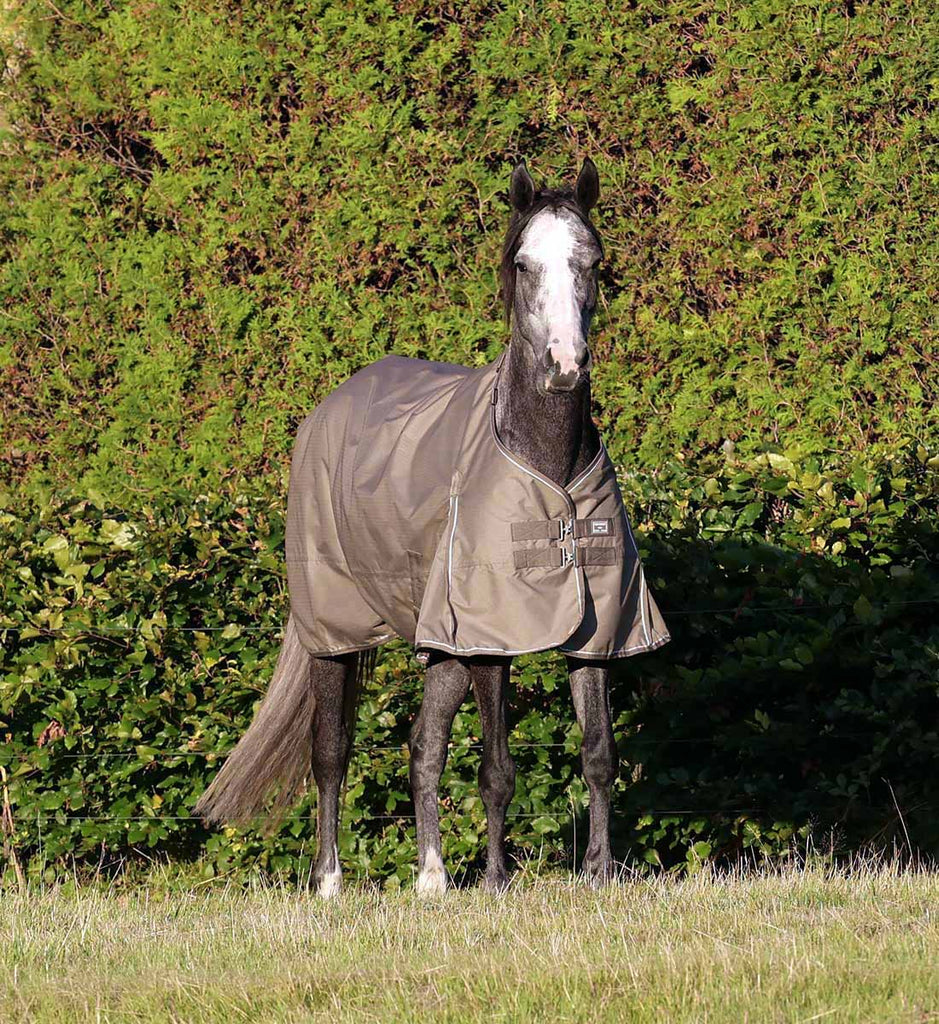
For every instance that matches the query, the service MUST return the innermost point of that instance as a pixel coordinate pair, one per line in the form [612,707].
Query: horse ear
[522,188]
[587,189]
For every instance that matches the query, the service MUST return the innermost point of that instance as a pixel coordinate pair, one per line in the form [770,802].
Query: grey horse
[474,512]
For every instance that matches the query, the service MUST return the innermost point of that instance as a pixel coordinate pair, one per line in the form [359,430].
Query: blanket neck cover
[407,517]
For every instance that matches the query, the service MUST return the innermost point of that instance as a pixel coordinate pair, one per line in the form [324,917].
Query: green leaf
[120,535]
[863,609]
[750,513]
[781,463]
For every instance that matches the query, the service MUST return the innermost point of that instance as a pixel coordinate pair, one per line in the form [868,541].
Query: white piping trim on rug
[643,587]
[593,463]
[536,476]
[455,512]
[642,603]
[651,645]
[531,471]
[629,529]
[621,650]
[479,650]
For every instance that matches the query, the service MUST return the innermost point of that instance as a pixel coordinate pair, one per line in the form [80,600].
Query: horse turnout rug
[408,517]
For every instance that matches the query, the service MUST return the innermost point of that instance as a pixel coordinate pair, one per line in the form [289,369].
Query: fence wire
[704,812]
[163,755]
[738,609]
[152,756]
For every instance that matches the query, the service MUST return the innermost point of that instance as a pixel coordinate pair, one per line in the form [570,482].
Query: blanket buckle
[568,553]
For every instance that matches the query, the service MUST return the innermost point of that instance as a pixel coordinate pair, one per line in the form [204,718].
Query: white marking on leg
[331,882]
[432,881]
[330,885]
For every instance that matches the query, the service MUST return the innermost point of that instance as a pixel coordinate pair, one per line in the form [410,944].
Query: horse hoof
[599,874]
[496,883]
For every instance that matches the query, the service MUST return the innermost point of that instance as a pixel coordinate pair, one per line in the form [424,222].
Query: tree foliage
[213,214]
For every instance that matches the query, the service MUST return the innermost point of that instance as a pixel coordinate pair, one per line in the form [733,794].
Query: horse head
[549,271]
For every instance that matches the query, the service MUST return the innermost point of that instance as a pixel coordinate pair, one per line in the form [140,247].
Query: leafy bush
[213,214]
[799,692]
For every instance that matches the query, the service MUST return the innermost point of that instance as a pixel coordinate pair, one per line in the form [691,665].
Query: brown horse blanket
[408,517]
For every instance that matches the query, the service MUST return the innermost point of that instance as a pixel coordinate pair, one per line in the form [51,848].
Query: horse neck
[554,434]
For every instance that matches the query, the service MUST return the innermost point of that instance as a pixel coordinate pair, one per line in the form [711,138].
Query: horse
[475,513]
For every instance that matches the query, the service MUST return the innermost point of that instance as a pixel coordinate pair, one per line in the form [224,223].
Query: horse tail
[270,765]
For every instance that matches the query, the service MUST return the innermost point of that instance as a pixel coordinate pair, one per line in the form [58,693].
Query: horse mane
[553,198]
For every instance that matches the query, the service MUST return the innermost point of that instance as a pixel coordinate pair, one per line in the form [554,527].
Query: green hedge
[213,213]
[798,695]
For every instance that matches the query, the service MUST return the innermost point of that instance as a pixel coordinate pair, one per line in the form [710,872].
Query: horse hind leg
[446,684]
[496,767]
[336,683]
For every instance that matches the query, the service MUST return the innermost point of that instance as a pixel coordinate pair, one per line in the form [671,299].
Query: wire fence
[742,607]
[151,757]
[678,812]
[156,756]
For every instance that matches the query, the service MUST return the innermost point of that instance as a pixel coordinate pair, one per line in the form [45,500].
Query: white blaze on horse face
[548,243]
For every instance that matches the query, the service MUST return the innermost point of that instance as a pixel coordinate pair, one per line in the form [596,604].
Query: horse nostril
[581,357]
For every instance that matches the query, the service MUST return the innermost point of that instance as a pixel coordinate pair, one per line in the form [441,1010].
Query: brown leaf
[52,732]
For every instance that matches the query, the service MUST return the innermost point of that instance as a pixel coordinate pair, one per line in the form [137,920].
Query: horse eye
[519,266]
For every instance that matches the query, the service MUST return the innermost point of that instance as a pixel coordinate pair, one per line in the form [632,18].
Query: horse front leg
[590,690]
[446,684]
[496,769]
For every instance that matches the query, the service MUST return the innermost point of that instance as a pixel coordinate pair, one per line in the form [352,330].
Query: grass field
[794,944]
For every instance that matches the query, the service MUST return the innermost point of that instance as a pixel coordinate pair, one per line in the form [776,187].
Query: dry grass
[795,944]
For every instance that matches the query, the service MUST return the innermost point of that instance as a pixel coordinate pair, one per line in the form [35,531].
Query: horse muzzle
[564,373]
